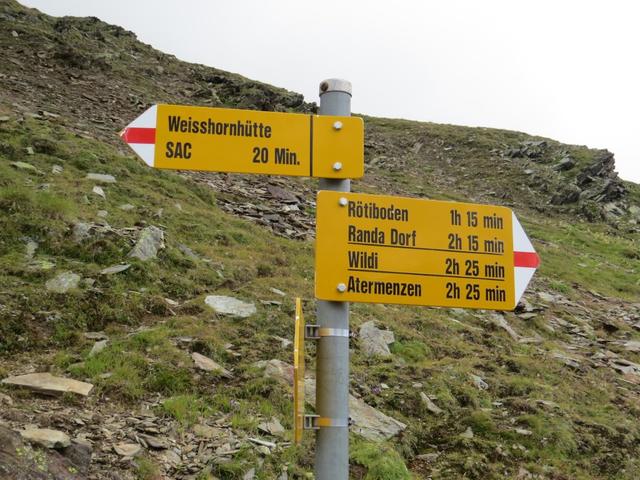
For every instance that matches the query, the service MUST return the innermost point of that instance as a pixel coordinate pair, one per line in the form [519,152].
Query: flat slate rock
[46,438]
[24,166]
[230,306]
[115,269]
[96,335]
[127,449]
[429,405]
[281,194]
[63,282]
[47,383]
[206,431]
[208,365]
[272,427]
[631,346]
[101,177]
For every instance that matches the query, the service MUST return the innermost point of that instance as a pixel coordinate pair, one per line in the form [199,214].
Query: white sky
[565,69]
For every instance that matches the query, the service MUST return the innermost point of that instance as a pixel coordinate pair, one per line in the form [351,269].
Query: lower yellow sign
[298,375]
[383,249]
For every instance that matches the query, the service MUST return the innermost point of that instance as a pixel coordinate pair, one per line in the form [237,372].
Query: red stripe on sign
[526,259]
[139,135]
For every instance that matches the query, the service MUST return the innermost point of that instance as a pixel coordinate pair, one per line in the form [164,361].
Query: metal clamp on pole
[333,332]
[316,422]
[311,332]
[315,332]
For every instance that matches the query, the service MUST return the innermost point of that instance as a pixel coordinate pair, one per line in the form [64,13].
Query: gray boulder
[567,163]
[46,438]
[374,341]
[151,240]
[18,460]
[81,231]
[63,282]
[230,306]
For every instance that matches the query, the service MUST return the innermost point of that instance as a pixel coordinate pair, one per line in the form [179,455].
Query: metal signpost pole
[332,369]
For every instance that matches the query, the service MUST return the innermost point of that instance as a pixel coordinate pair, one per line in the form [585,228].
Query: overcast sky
[567,69]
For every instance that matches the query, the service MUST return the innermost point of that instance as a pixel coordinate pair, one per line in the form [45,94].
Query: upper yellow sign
[246,141]
[383,249]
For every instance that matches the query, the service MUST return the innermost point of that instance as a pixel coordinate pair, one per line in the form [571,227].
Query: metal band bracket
[314,332]
[315,422]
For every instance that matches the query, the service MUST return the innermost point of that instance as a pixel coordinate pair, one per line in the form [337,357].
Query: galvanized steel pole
[332,367]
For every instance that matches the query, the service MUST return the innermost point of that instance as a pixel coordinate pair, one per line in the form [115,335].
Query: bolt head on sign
[246,141]
[383,249]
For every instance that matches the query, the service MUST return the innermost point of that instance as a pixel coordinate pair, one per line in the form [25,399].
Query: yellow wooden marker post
[298,374]
[383,249]
[181,137]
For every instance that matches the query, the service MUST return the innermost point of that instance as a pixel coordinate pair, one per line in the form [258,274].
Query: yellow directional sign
[245,141]
[298,374]
[383,249]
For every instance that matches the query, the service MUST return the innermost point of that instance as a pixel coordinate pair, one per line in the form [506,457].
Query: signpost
[183,137]
[332,357]
[382,249]
[369,248]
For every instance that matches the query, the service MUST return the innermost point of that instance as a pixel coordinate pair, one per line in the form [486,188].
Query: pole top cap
[335,85]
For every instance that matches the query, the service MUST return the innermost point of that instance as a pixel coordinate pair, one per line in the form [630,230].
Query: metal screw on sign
[337,166]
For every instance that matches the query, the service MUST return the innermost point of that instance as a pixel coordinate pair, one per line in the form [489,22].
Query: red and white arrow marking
[525,259]
[141,135]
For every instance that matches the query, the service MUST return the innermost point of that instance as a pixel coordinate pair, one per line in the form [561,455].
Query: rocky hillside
[146,316]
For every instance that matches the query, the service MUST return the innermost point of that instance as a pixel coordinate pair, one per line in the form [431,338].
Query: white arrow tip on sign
[147,119]
[145,152]
[141,135]
[526,259]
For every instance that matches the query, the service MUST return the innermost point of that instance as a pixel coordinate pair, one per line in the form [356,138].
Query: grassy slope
[589,431]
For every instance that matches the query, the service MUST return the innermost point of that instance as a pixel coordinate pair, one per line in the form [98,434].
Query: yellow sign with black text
[182,137]
[383,249]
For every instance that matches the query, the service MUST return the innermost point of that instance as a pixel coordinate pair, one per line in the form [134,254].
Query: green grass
[381,462]
[186,409]
[144,362]
[592,432]
[587,255]
[147,469]
[411,350]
